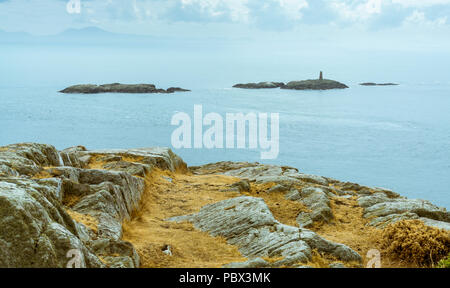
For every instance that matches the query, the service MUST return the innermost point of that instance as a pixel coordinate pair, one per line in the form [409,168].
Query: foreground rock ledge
[54,202]
[119,88]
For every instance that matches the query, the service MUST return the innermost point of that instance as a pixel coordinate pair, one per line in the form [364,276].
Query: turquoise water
[393,137]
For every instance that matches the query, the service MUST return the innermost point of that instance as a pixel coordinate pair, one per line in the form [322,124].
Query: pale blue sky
[209,17]
[349,26]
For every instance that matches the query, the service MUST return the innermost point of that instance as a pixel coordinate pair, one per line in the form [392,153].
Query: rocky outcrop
[378,84]
[54,209]
[248,223]
[384,209]
[66,208]
[260,85]
[119,88]
[318,84]
[381,206]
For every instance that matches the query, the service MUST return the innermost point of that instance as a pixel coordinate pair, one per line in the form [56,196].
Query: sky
[209,17]
[410,37]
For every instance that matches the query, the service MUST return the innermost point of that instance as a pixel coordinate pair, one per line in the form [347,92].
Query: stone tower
[321,75]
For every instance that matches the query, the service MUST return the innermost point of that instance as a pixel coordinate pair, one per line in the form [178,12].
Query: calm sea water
[393,137]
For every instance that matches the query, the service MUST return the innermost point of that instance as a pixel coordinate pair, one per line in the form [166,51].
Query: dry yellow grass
[88,220]
[96,163]
[43,174]
[70,200]
[150,233]
[349,228]
[283,210]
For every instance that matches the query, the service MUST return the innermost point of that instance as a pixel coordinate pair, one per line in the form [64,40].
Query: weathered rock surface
[118,88]
[248,223]
[382,205]
[252,263]
[385,207]
[35,214]
[318,84]
[317,200]
[27,159]
[139,161]
[260,85]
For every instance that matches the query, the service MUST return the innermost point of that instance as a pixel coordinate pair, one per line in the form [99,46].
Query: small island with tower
[315,84]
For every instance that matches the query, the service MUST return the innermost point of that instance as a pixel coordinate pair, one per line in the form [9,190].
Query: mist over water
[393,137]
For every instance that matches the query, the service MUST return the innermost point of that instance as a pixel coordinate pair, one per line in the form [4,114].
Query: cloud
[357,11]
[293,8]
[418,17]
[421,3]
[143,16]
[235,10]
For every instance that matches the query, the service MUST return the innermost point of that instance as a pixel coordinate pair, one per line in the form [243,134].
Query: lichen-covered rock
[27,158]
[117,254]
[316,199]
[248,223]
[36,231]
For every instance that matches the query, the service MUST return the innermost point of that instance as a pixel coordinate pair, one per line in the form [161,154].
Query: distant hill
[93,36]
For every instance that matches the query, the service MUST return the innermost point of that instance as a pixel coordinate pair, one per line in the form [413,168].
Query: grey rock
[36,230]
[220,167]
[241,186]
[287,176]
[121,262]
[304,220]
[435,223]
[309,178]
[293,195]
[398,206]
[316,199]
[367,201]
[27,158]
[136,169]
[112,249]
[278,188]
[382,222]
[248,223]
[162,158]
[252,263]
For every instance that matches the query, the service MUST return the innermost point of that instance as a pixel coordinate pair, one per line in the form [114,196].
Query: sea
[395,137]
